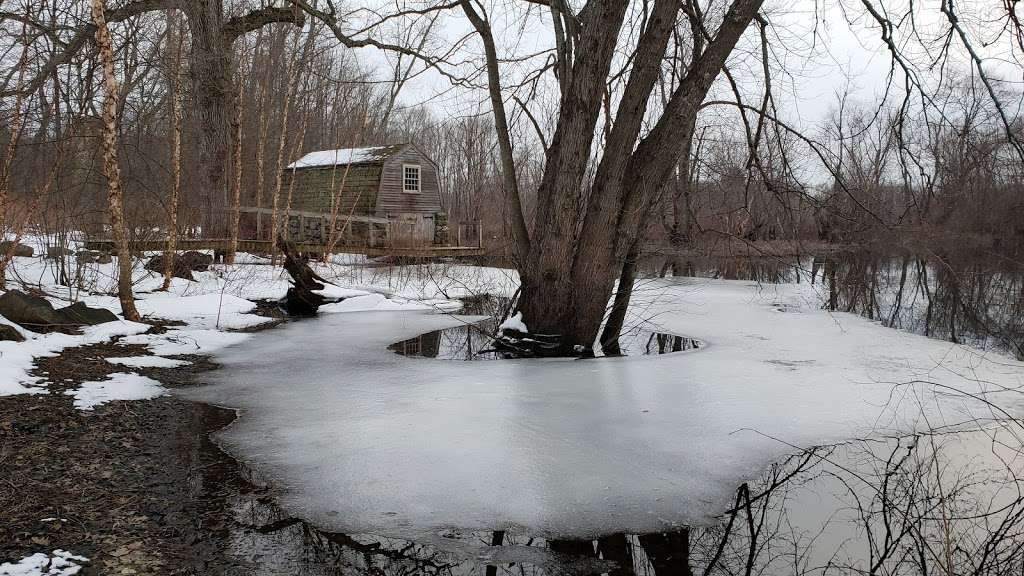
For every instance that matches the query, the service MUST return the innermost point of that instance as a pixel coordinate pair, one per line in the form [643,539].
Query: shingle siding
[391,199]
[312,188]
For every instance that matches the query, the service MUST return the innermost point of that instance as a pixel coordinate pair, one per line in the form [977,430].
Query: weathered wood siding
[311,188]
[392,200]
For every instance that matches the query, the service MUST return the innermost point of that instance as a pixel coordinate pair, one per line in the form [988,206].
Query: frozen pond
[363,440]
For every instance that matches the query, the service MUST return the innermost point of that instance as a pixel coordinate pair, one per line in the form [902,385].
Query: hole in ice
[472,341]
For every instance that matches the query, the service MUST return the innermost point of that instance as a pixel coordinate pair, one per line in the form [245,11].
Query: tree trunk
[174,39]
[236,184]
[617,316]
[569,279]
[5,171]
[211,72]
[275,215]
[111,170]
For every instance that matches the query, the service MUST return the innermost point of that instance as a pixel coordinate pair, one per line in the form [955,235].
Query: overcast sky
[820,50]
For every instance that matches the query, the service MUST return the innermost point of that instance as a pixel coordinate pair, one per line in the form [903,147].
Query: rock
[19,249]
[184,264]
[87,256]
[37,313]
[29,311]
[197,261]
[93,257]
[10,334]
[79,314]
[57,251]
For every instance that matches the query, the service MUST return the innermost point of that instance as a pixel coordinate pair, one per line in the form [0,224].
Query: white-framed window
[411,178]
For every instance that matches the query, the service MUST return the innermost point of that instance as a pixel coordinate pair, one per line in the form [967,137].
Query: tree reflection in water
[946,502]
[938,503]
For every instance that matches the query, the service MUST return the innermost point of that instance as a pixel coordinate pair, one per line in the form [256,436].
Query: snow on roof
[344,156]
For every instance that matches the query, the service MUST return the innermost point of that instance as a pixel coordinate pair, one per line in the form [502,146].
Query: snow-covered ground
[220,300]
[368,441]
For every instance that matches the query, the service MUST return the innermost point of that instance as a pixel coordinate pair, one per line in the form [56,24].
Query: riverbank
[135,487]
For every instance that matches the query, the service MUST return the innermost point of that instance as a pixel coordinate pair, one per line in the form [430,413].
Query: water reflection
[927,504]
[473,342]
[974,298]
[946,502]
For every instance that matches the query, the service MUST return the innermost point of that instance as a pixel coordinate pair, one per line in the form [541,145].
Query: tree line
[634,132]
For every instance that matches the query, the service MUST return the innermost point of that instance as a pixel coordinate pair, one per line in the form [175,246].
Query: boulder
[19,249]
[87,256]
[29,311]
[93,257]
[57,252]
[10,333]
[184,264]
[79,314]
[38,314]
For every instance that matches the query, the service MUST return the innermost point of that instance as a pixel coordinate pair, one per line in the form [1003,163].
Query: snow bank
[148,362]
[117,386]
[368,441]
[57,563]
[215,310]
[186,341]
[381,302]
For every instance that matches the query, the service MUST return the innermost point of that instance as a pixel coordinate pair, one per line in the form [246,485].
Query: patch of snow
[341,156]
[117,386]
[57,563]
[369,441]
[380,302]
[514,322]
[18,358]
[148,362]
[187,341]
[338,292]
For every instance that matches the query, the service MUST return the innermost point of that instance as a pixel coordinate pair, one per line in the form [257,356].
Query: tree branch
[83,35]
[240,25]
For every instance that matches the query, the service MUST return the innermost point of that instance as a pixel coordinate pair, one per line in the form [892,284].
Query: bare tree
[174,40]
[111,170]
[236,183]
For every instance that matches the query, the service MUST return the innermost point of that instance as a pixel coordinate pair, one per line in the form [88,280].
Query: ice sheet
[364,440]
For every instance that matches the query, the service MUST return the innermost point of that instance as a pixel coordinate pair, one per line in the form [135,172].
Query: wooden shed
[381,195]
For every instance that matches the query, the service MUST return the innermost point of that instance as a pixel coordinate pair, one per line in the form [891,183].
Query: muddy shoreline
[137,487]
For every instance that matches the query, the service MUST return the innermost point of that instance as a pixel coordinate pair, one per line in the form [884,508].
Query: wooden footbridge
[264,247]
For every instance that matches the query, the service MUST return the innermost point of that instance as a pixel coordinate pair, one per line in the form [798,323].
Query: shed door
[412,229]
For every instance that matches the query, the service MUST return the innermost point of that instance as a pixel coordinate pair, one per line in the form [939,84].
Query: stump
[301,300]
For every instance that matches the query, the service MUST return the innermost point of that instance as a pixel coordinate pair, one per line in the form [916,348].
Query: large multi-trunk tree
[584,229]
[212,32]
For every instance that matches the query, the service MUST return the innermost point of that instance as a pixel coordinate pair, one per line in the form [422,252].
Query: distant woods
[290,88]
[872,170]
[653,131]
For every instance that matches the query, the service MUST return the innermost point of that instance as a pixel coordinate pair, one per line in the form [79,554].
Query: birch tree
[111,170]
[174,42]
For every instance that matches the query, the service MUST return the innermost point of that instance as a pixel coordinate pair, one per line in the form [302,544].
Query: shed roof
[342,156]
